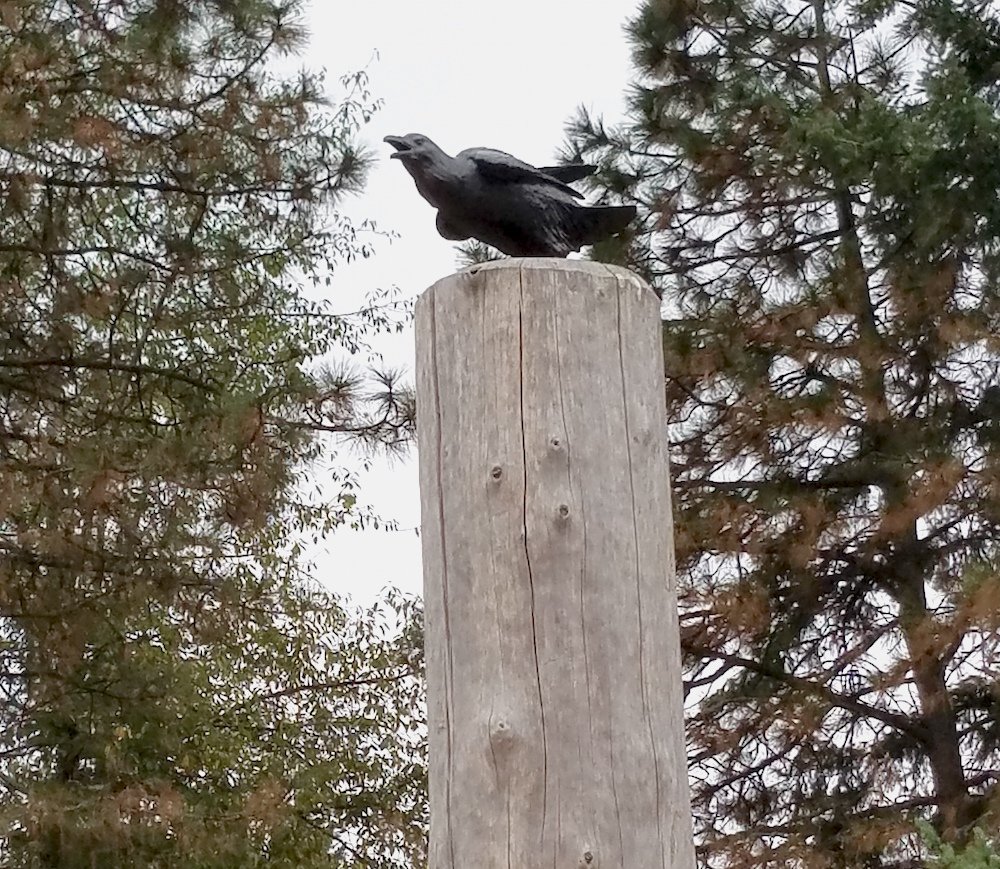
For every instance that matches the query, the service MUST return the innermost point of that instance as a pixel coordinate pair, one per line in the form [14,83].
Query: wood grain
[554,690]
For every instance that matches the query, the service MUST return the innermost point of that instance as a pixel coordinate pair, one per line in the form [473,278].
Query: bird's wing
[568,173]
[500,166]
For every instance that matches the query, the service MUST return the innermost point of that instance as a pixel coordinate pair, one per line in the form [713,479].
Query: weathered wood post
[553,674]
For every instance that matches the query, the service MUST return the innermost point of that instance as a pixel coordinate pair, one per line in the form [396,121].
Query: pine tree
[173,691]
[978,853]
[818,185]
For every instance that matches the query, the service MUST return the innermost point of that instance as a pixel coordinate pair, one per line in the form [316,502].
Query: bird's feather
[568,173]
[600,221]
[501,166]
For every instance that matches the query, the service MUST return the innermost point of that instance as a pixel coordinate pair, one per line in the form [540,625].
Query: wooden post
[553,673]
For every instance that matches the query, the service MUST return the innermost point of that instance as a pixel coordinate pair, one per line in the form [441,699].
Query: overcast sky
[504,75]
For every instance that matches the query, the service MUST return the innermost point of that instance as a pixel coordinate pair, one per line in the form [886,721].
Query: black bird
[512,206]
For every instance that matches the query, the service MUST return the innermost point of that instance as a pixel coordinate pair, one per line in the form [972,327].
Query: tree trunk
[553,664]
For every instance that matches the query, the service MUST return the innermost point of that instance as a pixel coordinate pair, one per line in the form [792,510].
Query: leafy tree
[173,692]
[818,186]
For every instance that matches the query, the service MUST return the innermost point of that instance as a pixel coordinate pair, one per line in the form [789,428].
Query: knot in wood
[563,511]
[556,443]
[501,733]
[496,472]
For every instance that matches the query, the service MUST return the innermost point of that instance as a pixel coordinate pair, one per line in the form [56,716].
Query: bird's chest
[434,190]
[468,199]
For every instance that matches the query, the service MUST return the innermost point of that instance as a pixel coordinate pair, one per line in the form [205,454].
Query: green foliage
[174,692]
[977,854]
[269,730]
[472,253]
[817,185]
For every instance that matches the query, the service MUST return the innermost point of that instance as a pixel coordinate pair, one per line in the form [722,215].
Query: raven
[512,206]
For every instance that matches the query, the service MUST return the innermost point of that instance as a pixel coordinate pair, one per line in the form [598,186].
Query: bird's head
[412,149]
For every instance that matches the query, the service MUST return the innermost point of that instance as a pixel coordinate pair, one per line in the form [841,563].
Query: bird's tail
[596,222]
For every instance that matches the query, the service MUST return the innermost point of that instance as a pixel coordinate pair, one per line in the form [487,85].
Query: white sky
[505,75]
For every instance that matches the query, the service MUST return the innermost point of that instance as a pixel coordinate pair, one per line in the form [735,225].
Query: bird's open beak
[399,143]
